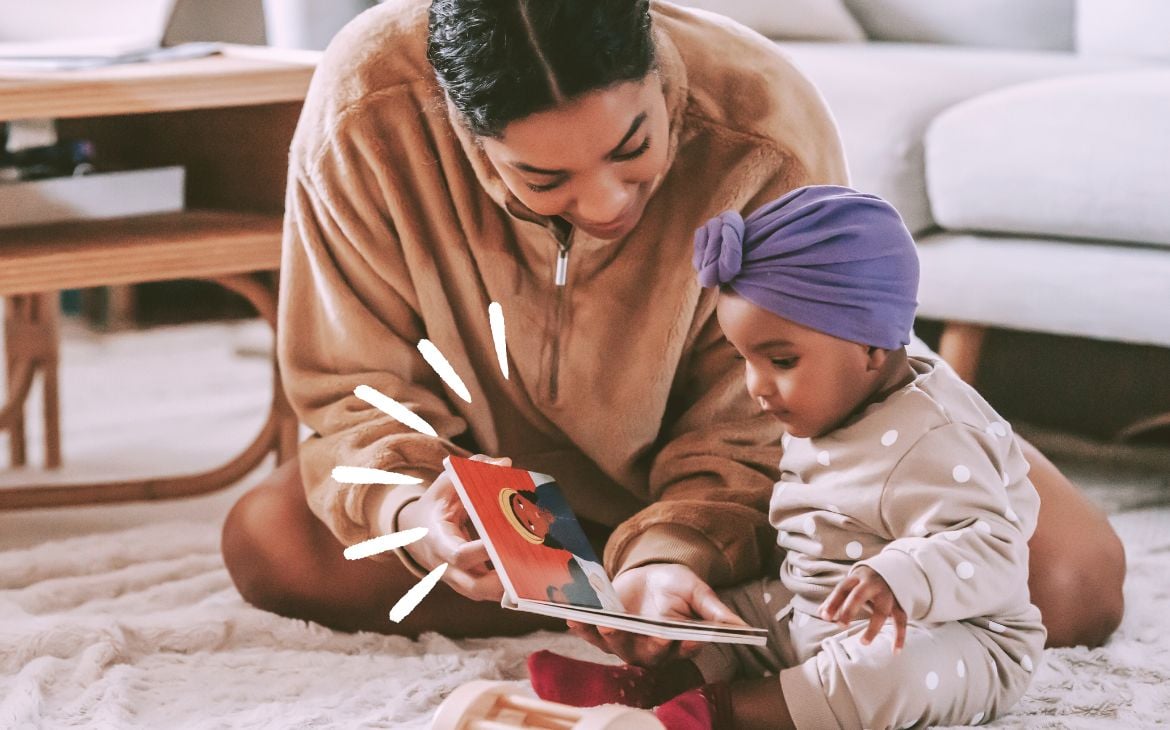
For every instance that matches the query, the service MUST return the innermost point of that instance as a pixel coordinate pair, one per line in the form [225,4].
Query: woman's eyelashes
[622,157]
[638,152]
[544,188]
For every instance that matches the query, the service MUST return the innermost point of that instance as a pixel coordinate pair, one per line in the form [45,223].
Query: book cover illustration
[536,543]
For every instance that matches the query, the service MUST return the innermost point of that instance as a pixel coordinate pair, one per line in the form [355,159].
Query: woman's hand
[658,590]
[864,586]
[451,539]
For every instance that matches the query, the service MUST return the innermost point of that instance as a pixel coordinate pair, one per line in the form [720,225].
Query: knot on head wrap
[719,249]
[826,257]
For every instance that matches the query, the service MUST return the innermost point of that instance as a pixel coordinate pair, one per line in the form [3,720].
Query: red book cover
[535,541]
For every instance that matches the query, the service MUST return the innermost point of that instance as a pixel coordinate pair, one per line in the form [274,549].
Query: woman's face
[593,161]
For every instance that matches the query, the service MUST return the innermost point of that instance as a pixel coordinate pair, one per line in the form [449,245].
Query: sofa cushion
[1083,157]
[1020,24]
[884,95]
[1124,28]
[1103,291]
[824,20]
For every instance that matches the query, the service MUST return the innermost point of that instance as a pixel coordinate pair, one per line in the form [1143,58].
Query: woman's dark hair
[502,60]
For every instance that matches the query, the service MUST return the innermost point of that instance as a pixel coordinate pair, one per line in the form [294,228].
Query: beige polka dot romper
[930,489]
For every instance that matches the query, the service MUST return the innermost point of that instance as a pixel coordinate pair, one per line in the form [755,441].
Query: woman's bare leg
[283,559]
[758,704]
[1077,562]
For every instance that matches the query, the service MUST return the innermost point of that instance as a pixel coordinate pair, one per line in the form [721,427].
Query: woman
[554,156]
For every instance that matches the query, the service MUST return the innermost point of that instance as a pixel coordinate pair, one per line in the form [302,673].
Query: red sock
[703,708]
[585,684]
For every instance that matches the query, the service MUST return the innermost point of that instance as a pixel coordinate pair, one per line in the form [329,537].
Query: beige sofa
[1026,143]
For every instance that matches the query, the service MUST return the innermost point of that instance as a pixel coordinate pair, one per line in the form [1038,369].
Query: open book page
[544,559]
[674,630]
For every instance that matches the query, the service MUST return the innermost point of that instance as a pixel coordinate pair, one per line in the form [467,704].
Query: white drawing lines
[365,475]
[407,417]
[414,596]
[385,543]
[393,541]
[394,409]
[496,319]
[440,365]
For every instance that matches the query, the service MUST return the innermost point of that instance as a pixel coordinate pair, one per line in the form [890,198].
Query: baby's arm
[961,536]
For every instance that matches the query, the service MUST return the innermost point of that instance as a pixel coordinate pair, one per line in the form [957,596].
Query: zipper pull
[562,266]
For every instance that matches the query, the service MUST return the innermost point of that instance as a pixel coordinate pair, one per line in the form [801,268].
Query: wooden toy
[486,705]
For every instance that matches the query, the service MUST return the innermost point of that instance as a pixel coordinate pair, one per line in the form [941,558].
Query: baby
[903,507]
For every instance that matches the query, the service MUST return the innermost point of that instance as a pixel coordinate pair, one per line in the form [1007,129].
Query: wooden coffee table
[228,119]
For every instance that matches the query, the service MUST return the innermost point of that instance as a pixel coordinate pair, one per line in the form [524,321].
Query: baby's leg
[762,603]
[947,674]
[585,684]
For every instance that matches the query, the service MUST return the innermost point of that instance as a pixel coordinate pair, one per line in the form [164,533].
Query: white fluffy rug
[124,617]
[142,628]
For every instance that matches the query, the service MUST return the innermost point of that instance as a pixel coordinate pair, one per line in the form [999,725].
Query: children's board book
[545,561]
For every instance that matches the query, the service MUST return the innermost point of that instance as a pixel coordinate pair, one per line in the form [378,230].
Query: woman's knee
[1080,595]
[261,549]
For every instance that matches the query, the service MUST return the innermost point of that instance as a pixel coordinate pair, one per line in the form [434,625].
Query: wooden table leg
[278,434]
[31,344]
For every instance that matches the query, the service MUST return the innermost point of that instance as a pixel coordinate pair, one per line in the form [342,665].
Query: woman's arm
[343,323]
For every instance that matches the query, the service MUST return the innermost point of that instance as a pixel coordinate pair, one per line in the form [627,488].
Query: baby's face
[808,380]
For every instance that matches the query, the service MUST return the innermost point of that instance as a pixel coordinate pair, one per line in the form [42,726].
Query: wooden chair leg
[961,345]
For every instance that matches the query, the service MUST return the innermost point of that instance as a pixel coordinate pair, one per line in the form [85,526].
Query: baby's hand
[864,586]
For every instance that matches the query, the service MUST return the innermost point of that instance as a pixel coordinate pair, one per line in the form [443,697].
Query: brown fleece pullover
[621,384]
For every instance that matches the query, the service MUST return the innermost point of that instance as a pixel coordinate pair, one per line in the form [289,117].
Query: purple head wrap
[826,257]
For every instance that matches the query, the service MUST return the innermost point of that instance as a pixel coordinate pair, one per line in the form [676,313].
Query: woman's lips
[610,230]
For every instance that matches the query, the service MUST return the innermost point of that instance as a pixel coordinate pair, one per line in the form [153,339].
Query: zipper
[560,281]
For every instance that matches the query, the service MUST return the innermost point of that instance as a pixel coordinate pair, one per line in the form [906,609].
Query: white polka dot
[853,550]
[810,525]
[961,474]
[1011,514]
[961,669]
[832,508]
[919,527]
[932,680]
[952,535]
[767,674]
[889,437]
[823,458]
[996,627]
[999,428]
[983,527]
[767,598]
[1026,663]
[977,719]
[964,570]
[803,620]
